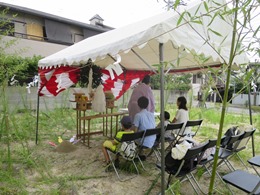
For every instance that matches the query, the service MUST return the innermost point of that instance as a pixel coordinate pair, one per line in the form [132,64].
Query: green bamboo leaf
[176,4]
[178,62]
[196,21]
[222,17]
[213,18]
[156,65]
[180,18]
[206,6]
[223,40]
[215,32]
[197,10]
[249,75]
[256,31]
[218,4]
[206,59]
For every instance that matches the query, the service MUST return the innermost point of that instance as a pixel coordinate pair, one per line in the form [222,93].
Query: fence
[19,98]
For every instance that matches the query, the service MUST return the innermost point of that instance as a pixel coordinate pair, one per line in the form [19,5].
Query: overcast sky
[116,13]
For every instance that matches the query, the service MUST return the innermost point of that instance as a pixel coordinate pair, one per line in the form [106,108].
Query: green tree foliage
[180,82]
[11,64]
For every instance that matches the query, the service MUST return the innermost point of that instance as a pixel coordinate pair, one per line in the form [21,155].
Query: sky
[116,13]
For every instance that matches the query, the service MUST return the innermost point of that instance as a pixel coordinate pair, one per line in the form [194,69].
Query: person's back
[182,114]
[145,120]
[143,89]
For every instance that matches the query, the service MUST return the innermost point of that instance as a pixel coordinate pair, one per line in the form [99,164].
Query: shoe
[116,163]
[142,157]
[109,168]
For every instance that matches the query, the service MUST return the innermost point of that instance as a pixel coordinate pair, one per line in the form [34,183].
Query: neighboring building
[43,34]
[199,80]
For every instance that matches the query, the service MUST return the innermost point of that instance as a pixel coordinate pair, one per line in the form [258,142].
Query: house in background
[43,34]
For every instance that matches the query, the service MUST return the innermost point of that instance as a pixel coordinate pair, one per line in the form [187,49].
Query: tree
[241,15]
[10,65]
[180,82]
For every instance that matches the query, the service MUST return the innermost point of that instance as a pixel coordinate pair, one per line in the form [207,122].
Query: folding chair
[227,152]
[206,160]
[255,162]
[156,148]
[149,132]
[183,168]
[192,124]
[207,156]
[173,127]
[242,145]
[189,124]
[154,131]
[128,138]
[243,180]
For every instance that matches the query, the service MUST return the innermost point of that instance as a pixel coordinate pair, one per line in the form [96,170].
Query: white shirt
[182,116]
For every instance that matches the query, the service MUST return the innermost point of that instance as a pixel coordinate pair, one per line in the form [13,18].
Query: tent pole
[37,118]
[250,115]
[162,119]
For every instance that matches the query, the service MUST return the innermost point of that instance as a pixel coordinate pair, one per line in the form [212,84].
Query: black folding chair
[149,132]
[128,138]
[227,151]
[192,124]
[154,131]
[207,156]
[242,144]
[156,147]
[255,162]
[243,180]
[175,128]
[205,161]
[182,169]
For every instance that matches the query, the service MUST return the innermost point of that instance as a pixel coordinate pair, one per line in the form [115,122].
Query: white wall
[29,48]
[242,99]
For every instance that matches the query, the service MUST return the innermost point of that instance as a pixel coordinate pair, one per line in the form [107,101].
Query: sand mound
[65,147]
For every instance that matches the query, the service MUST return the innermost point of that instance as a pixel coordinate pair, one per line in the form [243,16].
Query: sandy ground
[86,166]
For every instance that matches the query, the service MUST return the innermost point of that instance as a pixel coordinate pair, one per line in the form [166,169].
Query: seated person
[168,134]
[144,120]
[113,144]
[182,114]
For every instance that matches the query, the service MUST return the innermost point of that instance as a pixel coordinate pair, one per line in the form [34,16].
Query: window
[34,31]
[194,78]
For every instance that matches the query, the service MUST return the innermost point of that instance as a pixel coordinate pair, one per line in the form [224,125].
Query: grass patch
[23,157]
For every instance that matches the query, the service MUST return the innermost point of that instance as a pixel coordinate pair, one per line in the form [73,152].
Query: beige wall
[19,98]
[28,48]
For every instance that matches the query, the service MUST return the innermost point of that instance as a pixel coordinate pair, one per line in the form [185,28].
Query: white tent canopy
[137,43]
[185,46]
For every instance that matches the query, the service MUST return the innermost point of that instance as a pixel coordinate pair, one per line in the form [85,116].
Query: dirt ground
[85,168]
